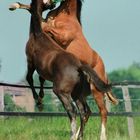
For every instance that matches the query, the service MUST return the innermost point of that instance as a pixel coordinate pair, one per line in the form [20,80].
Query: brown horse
[66,72]
[66,30]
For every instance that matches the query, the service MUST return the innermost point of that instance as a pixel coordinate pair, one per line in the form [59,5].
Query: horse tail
[112,98]
[18,5]
[93,77]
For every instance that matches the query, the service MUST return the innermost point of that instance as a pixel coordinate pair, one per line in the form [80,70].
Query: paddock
[125,87]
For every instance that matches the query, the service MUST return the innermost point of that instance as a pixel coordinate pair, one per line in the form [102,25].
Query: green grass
[55,128]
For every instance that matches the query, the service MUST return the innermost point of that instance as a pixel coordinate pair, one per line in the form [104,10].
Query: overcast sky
[112,27]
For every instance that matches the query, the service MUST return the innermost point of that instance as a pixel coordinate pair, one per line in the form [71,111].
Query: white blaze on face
[46,1]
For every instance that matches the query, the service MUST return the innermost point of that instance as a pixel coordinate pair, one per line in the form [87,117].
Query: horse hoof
[77,134]
[87,116]
[14,6]
[80,138]
[40,106]
[39,100]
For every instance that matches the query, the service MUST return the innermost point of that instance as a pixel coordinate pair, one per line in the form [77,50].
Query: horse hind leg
[99,98]
[85,92]
[66,100]
[79,94]
[85,112]
[88,112]
[79,134]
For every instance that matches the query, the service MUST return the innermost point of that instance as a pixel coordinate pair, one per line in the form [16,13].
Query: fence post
[1,98]
[108,104]
[128,108]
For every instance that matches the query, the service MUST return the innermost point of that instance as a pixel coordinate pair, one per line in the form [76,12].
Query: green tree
[10,105]
[132,73]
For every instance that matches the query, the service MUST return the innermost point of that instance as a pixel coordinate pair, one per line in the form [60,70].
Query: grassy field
[55,128]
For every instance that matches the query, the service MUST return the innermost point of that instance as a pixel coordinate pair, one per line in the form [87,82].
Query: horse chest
[43,62]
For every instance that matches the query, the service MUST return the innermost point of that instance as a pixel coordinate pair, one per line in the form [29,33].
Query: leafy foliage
[132,73]
[10,105]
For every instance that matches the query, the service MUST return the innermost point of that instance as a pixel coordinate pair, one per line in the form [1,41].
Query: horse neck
[36,14]
[71,7]
[35,27]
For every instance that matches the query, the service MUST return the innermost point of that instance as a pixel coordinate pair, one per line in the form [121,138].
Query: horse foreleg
[41,93]
[29,78]
[79,134]
[18,5]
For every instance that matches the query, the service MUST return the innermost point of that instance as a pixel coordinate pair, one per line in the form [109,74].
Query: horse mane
[79,8]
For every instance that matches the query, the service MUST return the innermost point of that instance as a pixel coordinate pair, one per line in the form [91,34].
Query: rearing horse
[63,24]
[66,72]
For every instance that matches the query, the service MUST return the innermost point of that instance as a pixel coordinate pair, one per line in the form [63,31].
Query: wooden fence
[125,86]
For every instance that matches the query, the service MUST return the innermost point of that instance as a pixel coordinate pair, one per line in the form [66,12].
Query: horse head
[50,4]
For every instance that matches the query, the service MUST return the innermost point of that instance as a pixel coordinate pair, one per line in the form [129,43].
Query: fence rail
[114,84]
[63,114]
[20,86]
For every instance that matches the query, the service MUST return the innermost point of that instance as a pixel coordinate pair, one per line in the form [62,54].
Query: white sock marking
[103,133]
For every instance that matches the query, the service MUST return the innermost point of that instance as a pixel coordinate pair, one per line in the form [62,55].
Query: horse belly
[85,55]
[43,72]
